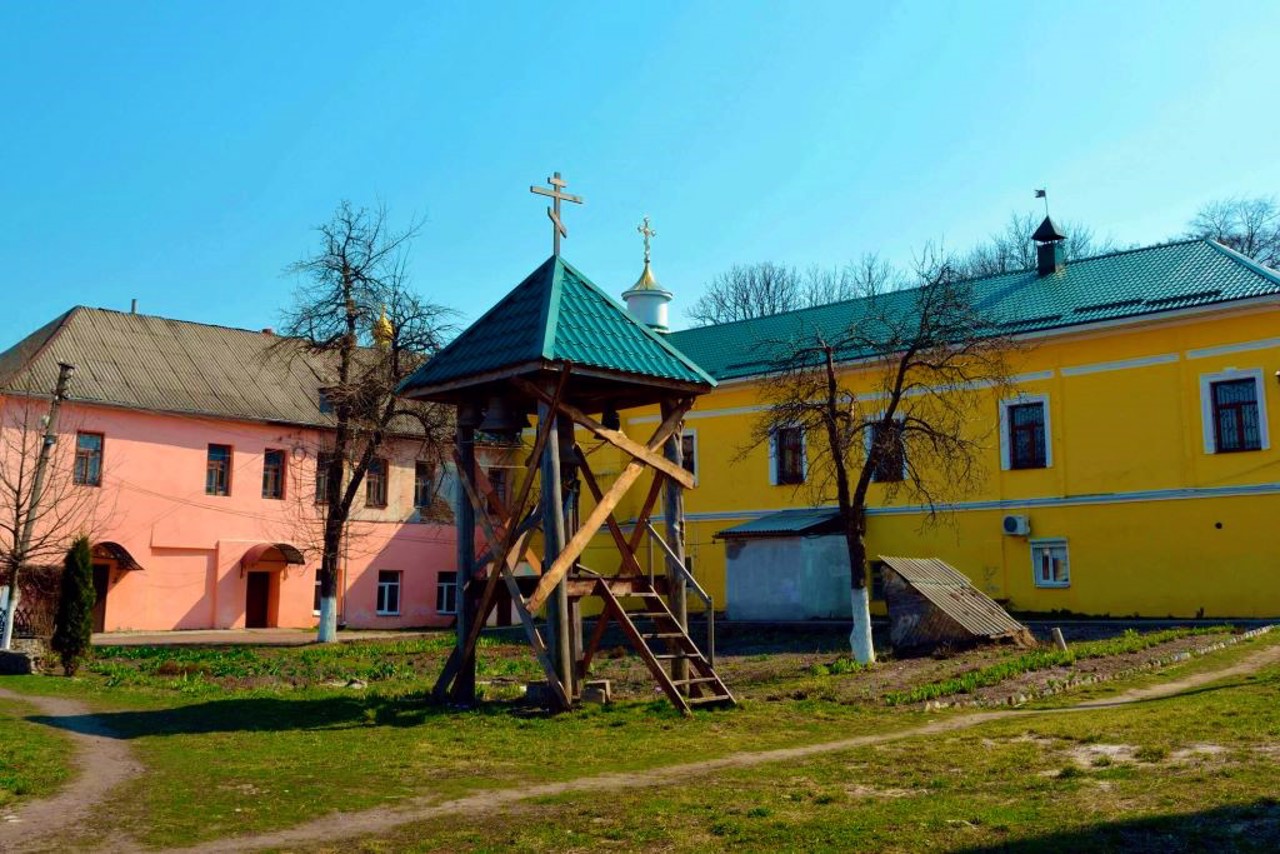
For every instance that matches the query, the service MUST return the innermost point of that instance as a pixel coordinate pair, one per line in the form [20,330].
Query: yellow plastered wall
[1130,486]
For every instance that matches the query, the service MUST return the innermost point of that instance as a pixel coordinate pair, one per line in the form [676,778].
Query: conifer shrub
[73,625]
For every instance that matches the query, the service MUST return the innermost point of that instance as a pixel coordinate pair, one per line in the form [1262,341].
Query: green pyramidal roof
[555,315]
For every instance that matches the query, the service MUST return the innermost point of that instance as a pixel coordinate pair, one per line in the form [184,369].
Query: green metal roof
[557,315]
[788,523]
[1126,284]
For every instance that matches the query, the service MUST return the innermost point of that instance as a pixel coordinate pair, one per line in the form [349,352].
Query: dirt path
[102,762]
[337,826]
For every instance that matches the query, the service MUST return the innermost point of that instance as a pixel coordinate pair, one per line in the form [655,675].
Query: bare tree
[891,394]
[1250,226]
[747,291]
[38,522]
[826,285]
[1011,250]
[362,332]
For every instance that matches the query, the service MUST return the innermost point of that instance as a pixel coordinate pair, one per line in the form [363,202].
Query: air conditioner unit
[1016,525]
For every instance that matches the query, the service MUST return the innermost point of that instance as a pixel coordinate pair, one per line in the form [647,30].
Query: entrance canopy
[274,552]
[804,522]
[117,553]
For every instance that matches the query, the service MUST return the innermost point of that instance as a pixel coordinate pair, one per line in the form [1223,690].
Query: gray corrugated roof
[952,592]
[787,523]
[140,361]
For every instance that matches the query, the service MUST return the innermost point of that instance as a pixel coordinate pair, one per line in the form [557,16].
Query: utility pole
[33,502]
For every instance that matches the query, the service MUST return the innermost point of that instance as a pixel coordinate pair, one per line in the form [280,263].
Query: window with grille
[1236,426]
[447,593]
[273,474]
[375,483]
[217,479]
[88,465]
[888,455]
[1026,436]
[388,592]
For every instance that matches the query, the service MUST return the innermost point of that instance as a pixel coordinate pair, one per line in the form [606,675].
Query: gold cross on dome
[557,194]
[646,232]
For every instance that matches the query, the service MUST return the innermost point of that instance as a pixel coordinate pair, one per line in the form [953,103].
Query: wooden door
[101,580]
[257,600]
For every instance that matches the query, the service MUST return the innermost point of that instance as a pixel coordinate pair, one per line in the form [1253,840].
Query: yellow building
[1134,473]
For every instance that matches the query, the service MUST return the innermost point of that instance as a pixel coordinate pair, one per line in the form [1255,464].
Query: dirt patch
[103,761]
[1096,755]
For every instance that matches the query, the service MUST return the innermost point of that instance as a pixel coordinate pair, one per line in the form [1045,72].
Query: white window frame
[1206,405]
[692,433]
[869,432]
[1039,545]
[1006,450]
[397,582]
[441,586]
[773,455]
[315,597]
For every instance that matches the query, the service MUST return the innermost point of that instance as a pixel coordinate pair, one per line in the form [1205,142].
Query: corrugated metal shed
[787,523]
[153,363]
[1130,283]
[953,594]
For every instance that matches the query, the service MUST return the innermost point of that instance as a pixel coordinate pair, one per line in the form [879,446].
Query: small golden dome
[647,281]
[383,331]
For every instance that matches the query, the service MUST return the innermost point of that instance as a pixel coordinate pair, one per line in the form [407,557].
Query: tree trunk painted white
[860,637]
[328,630]
[10,614]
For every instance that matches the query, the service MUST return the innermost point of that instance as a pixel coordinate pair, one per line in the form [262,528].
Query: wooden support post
[674,505]
[465,679]
[557,569]
[554,539]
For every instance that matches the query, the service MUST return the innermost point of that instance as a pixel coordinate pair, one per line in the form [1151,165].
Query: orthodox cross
[646,232]
[557,194]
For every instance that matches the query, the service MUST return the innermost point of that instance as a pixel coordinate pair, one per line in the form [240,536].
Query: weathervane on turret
[557,194]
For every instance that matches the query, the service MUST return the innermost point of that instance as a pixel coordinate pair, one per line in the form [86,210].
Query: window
[273,474]
[424,484]
[447,593]
[1049,563]
[217,477]
[787,457]
[88,465]
[888,455]
[324,461]
[315,602]
[375,483]
[1235,416]
[325,402]
[689,451]
[1024,433]
[500,480]
[1234,411]
[388,592]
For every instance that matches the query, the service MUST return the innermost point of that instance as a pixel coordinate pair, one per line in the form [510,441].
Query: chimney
[267,330]
[133,306]
[1050,257]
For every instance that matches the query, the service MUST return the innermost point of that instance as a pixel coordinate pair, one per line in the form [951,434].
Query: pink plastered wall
[191,546]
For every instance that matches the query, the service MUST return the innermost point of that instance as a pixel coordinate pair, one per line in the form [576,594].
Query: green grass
[1043,659]
[1017,784]
[238,740]
[34,760]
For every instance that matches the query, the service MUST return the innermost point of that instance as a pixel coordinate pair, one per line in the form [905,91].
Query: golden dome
[383,331]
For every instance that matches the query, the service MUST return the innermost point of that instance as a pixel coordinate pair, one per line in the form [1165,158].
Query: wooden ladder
[665,640]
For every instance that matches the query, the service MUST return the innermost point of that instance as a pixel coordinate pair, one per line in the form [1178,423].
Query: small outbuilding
[789,565]
[932,604]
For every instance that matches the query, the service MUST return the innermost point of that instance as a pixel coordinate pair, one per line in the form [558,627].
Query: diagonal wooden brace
[616,438]
[574,548]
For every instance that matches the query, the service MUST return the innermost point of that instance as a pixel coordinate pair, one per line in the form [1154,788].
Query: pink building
[188,453]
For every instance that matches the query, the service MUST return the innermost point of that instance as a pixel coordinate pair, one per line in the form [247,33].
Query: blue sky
[181,153]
